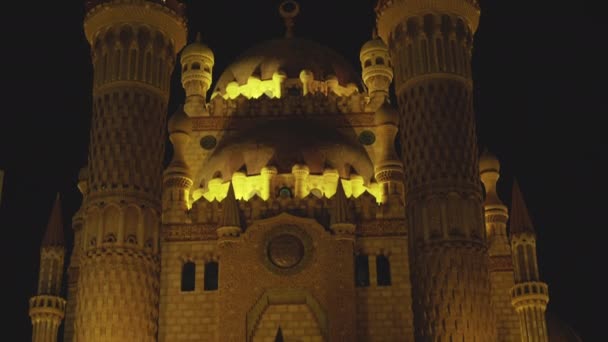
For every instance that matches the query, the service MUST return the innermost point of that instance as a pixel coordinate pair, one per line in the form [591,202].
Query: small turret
[341,215]
[388,169]
[177,181]
[520,218]
[377,70]
[197,62]
[529,295]
[47,308]
[499,250]
[231,221]
[53,237]
[496,212]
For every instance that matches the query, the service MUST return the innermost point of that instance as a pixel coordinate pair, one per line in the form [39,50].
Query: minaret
[74,263]
[430,44]
[133,49]
[499,249]
[377,70]
[47,308]
[529,295]
[197,62]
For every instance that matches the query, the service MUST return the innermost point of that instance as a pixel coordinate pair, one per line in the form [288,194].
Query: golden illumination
[246,187]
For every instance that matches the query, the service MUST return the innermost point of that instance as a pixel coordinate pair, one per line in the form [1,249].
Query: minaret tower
[133,49]
[499,249]
[74,262]
[47,309]
[529,295]
[197,64]
[430,43]
[377,70]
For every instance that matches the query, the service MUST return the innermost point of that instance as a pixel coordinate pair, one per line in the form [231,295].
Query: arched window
[361,271]
[380,61]
[211,276]
[196,66]
[368,63]
[188,276]
[383,270]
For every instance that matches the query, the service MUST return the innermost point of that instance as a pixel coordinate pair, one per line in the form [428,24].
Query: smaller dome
[387,114]
[374,44]
[197,48]
[488,162]
[179,122]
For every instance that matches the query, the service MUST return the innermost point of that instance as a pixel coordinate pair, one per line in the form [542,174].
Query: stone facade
[192,315]
[286,212]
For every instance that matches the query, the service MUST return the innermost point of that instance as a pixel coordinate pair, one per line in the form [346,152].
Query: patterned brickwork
[452,293]
[384,313]
[117,296]
[133,47]
[438,134]
[193,315]
[127,141]
[507,321]
[431,53]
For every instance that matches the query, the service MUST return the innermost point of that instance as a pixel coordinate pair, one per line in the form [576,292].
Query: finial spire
[54,229]
[340,212]
[230,217]
[289,9]
[198,37]
[520,221]
[375,33]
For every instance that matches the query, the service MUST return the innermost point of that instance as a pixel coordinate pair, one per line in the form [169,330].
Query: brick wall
[384,313]
[186,316]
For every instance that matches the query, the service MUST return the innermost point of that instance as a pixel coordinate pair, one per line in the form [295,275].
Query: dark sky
[539,73]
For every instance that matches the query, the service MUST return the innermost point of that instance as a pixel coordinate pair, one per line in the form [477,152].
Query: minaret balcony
[530,294]
[45,304]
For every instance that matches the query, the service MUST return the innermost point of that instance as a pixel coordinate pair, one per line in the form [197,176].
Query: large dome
[283,144]
[291,56]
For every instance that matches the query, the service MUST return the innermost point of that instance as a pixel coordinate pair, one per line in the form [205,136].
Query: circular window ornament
[287,249]
[367,138]
[208,142]
[285,192]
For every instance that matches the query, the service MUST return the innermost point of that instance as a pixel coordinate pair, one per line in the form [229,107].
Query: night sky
[539,74]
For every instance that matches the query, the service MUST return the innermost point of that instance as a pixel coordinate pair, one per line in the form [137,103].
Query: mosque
[300,203]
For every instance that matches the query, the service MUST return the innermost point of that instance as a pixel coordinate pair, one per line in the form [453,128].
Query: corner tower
[133,49]
[47,309]
[430,44]
[499,250]
[529,295]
